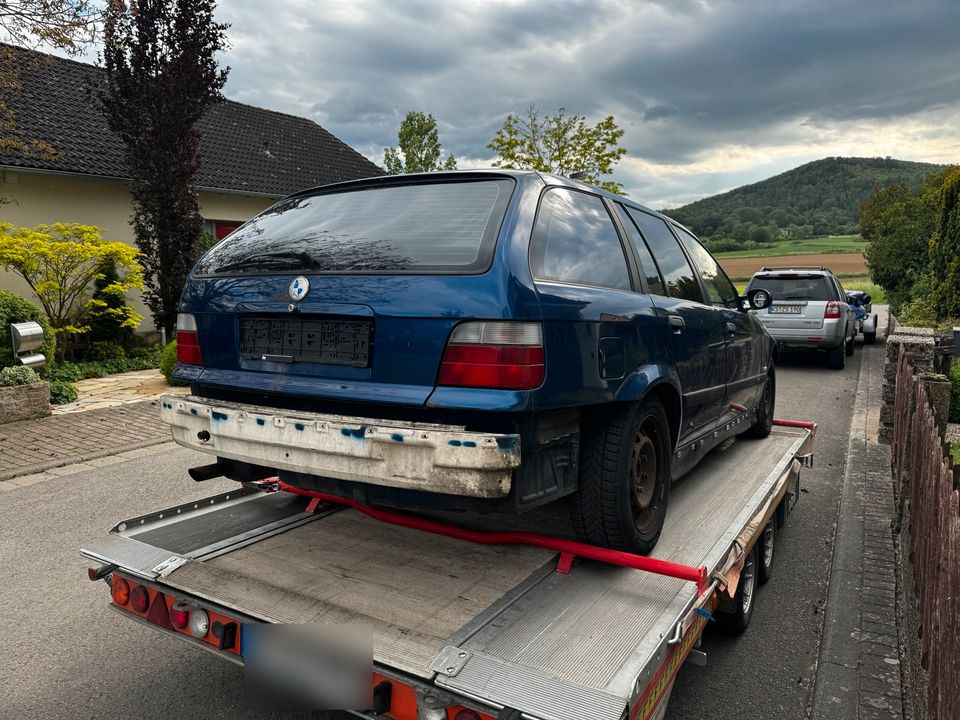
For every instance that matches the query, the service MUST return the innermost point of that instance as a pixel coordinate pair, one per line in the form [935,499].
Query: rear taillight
[199,623]
[188,344]
[502,355]
[139,599]
[832,311]
[179,617]
[120,591]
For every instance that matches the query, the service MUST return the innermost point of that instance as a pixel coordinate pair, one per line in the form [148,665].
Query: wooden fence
[925,479]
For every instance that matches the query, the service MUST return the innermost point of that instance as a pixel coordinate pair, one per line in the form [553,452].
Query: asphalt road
[64,654]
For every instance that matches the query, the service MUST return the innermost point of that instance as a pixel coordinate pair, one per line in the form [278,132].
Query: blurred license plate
[785,310]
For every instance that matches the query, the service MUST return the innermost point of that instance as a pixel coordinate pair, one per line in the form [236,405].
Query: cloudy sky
[712,95]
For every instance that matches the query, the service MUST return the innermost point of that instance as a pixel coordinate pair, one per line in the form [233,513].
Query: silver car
[809,310]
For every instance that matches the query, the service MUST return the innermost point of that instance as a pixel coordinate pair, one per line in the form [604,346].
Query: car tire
[869,338]
[848,347]
[736,618]
[764,423]
[766,544]
[621,499]
[836,357]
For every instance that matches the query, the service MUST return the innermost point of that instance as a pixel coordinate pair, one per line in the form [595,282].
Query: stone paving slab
[37,446]
[120,389]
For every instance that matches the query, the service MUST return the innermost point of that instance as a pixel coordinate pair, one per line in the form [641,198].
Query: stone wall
[919,344]
[22,402]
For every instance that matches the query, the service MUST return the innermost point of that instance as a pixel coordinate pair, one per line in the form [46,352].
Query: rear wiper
[287,260]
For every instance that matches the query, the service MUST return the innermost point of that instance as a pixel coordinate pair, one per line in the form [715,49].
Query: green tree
[60,263]
[110,317]
[562,144]
[945,250]
[419,147]
[162,75]
[898,225]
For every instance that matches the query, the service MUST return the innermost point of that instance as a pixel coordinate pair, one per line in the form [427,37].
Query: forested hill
[819,198]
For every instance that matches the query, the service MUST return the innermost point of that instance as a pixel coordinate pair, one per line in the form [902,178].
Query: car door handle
[676,324]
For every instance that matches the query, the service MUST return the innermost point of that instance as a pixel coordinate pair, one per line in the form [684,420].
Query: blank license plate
[337,342]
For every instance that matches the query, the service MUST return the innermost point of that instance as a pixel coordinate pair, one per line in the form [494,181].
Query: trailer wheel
[737,617]
[765,546]
[764,424]
[869,338]
[621,499]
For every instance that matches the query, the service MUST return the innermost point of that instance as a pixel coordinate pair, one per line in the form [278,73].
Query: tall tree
[420,149]
[64,24]
[162,75]
[945,250]
[562,144]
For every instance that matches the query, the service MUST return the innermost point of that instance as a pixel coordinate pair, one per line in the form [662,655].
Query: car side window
[719,288]
[648,267]
[677,273]
[575,241]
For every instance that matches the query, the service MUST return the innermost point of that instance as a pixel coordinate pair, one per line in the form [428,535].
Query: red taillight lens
[179,618]
[139,598]
[832,311]
[466,714]
[188,344]
[500,355]
[120,591]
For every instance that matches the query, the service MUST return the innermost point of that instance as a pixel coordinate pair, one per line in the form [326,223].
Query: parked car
[809,310]
[862,305]
[475,340]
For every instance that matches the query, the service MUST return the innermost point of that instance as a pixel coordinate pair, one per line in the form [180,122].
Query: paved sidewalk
[114,390]
[858,673]
[33,446]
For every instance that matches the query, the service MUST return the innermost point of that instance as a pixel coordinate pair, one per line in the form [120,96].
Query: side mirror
[758,299]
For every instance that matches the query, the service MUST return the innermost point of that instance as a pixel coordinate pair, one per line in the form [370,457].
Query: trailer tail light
[139,599]
[498,355]
[179,618]
[832,311]
[199,624]
[468,714]
[120,591]
[188,344]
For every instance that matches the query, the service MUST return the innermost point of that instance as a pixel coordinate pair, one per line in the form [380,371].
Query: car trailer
[468,621]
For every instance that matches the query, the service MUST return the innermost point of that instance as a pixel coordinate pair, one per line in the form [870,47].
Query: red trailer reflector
[159,615]
[179,618]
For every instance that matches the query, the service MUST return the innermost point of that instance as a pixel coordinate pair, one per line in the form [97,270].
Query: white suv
[809,310]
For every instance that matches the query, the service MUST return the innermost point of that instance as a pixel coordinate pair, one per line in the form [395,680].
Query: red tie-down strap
[568,549]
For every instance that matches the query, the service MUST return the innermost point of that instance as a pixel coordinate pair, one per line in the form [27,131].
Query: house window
[222,228]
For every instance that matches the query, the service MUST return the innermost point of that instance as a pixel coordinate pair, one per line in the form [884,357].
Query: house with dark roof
[249,157]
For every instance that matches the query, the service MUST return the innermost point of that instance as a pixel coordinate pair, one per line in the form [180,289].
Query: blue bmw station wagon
[472,340]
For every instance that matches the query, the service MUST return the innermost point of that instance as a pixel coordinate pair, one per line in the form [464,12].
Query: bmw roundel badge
[299,287]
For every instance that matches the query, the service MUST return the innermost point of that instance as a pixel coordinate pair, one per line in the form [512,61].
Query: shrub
[109,316]
[14,309]
[62,392]
[104,350]
[19,375]
[955,393]
[168,363]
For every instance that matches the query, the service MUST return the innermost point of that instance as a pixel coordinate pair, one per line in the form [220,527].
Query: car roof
[799,270]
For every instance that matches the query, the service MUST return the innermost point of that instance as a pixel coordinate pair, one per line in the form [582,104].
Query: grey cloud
[660,112]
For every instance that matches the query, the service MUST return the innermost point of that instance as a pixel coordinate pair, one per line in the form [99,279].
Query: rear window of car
[793,287]
[427,227]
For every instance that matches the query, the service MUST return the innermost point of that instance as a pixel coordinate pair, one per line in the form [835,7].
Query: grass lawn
[810,246]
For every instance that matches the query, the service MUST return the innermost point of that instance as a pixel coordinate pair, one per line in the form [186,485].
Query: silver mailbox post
[27,338]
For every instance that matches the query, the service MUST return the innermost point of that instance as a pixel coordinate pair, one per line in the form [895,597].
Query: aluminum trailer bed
[506,630]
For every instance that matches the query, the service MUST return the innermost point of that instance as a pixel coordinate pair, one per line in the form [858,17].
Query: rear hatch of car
[799,300]
[352,294]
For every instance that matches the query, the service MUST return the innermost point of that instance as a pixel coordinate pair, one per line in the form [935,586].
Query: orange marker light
[120,591]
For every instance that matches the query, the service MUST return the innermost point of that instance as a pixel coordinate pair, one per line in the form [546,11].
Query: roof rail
[796,267]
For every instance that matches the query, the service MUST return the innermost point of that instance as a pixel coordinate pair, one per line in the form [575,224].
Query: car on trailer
[476,341]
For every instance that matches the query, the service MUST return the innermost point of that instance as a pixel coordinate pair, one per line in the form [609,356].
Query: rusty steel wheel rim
[646,487]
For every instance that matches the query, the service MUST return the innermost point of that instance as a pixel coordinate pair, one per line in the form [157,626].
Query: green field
[810,246]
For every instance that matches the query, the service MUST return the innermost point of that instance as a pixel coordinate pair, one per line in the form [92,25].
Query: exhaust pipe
[209,472]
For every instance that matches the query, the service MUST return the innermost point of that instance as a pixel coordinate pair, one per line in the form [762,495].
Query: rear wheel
[848,347]
[835,357]
[736,618]
[621,500]
[765,547]
[764,424]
